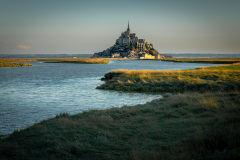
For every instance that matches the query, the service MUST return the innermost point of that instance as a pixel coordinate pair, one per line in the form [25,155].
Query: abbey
[130,46]
[127,38]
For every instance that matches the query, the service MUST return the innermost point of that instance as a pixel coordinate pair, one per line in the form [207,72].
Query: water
[31,94]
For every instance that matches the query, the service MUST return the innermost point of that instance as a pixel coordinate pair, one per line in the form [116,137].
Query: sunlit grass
[14,64]
[205,60]
[78,60]
[10,62]
[217,78]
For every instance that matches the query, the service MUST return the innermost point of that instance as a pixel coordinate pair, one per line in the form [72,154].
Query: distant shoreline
[176,55]
[11,62]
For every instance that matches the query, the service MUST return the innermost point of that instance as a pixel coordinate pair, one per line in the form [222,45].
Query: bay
[29,95]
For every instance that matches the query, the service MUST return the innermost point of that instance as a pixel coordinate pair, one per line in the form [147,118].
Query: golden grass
[77,60]
[205,60]
[225,77]
[10,62]
[5,60]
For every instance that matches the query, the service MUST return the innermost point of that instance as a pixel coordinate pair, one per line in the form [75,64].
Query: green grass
[217,78]
[205,60]
[184,126]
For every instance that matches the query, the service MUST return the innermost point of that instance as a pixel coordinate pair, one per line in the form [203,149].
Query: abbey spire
[128,29]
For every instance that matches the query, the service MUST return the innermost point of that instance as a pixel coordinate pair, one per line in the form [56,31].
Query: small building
[157,56]
[147,56]
[116,55]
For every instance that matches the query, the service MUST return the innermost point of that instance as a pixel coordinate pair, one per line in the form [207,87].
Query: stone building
[128,45]
[141,45]
[128,38]
[133,39]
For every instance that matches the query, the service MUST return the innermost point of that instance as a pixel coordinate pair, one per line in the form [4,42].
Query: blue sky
[88,26]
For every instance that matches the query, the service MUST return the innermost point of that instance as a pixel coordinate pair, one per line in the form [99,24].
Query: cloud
[24,47]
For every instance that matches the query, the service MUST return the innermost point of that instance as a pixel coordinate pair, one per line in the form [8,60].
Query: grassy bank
[78,60]
[205,60]
[218,78]
[184,126]
[14,64]
[9,62]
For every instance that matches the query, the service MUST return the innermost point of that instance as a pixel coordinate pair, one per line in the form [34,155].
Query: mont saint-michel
[130,46]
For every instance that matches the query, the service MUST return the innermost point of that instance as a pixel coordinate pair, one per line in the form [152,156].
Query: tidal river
[31,94]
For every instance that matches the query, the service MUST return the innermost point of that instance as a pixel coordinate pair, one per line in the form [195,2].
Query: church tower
[128,29]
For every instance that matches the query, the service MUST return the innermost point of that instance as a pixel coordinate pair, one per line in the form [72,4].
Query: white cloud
[24,47]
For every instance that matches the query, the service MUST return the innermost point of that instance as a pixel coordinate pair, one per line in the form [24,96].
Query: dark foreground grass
[183,126]
[216,78]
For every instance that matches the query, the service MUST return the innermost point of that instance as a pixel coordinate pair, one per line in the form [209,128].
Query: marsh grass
[78,60]
[14,64]
[181,126]
[10,62]
[215,78]
[205,60]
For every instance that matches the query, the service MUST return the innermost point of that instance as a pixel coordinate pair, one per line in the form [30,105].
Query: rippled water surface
[31,94]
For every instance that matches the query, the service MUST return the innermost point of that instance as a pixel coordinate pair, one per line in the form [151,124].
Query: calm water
[32,94]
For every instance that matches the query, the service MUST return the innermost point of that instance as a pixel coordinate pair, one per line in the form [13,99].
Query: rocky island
[130,46]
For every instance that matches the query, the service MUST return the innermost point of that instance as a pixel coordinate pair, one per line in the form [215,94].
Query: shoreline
[11,62]
[205,60]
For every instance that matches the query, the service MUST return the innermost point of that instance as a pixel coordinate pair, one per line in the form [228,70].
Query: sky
[89,26]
